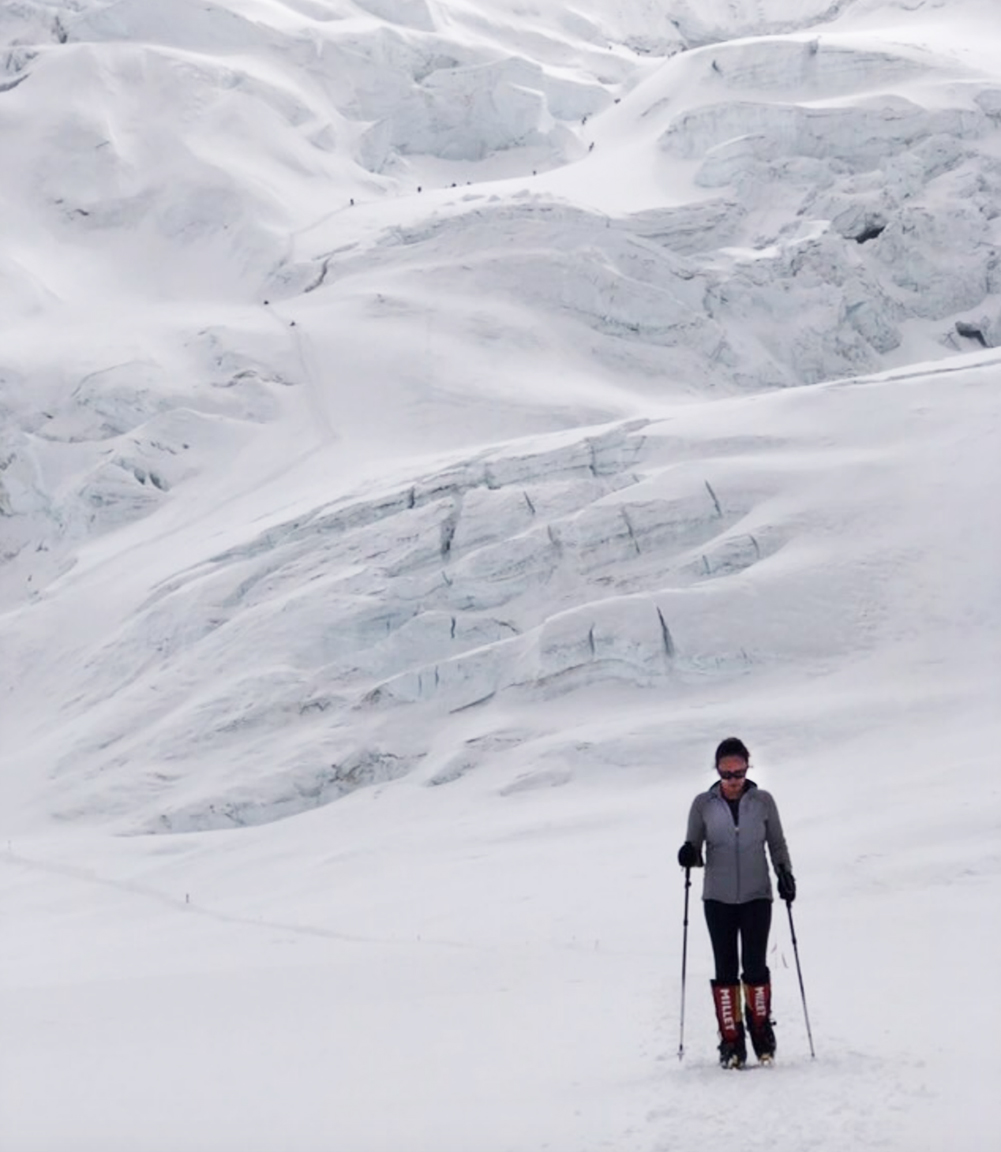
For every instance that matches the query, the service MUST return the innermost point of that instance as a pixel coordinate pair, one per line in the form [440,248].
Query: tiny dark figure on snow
[734,820]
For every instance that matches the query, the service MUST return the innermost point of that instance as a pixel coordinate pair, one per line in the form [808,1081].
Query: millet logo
[726,1009]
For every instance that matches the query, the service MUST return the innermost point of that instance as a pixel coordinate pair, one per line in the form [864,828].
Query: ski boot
[732,1047]
[758,1010]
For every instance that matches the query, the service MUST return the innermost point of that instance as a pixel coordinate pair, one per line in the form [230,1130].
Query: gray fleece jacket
[736,868]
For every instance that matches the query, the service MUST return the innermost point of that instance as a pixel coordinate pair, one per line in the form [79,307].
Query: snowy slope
[425,429]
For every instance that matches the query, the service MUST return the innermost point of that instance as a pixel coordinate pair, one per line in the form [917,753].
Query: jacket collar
[716,790]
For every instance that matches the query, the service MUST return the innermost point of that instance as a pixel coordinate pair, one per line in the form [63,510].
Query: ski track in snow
[425,430]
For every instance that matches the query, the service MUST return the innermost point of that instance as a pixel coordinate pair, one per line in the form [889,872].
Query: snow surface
[426,428]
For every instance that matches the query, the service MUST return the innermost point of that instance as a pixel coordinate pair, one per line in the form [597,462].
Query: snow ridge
[819,202]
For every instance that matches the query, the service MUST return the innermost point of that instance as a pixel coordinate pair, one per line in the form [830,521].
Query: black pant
[751,922]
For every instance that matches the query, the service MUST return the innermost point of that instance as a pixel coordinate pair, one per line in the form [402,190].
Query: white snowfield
[427,427]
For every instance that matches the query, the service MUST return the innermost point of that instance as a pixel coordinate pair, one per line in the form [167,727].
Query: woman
[735,819]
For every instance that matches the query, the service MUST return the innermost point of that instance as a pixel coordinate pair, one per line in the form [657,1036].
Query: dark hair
[731,746]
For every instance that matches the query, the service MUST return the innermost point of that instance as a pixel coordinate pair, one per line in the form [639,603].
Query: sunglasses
[738,775]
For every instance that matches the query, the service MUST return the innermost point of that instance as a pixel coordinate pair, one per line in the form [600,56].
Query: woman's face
[732,770]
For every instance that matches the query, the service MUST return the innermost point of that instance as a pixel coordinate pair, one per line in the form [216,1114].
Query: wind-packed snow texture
[426,428]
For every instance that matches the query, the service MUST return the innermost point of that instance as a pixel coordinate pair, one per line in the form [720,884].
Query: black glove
[688,857]
[787,885]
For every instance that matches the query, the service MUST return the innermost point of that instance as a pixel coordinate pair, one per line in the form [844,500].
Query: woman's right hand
[688,857]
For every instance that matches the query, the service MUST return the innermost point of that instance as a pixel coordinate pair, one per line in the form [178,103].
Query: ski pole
[799,973]
[684,962]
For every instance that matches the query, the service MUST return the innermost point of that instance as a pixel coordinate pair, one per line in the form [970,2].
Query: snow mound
[332,650]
